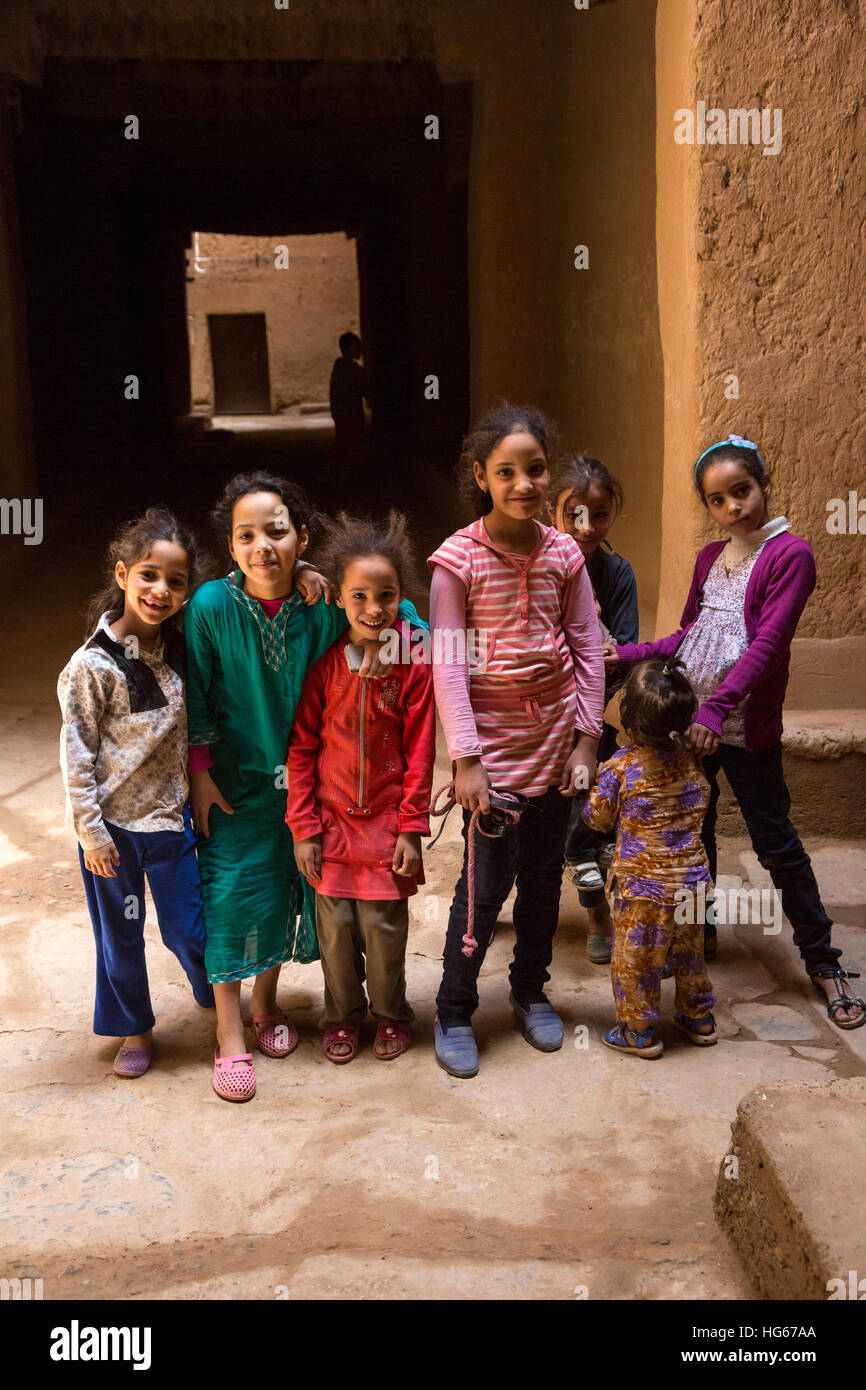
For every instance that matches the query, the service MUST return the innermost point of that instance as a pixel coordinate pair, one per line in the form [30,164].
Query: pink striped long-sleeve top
[528,671]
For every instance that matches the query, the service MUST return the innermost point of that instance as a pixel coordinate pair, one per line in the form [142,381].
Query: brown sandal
[843,999]
[399,1032]
[338,1034]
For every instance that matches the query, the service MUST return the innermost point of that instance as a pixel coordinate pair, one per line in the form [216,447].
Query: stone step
[792,1202]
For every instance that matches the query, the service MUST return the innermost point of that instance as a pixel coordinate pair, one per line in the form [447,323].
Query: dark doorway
[219,140]
[239,356]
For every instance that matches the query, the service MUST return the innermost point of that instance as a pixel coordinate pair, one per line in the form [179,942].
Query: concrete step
[792,1202]
[825,767]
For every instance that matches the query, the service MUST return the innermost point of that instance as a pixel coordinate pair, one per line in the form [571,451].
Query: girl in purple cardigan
[745,601]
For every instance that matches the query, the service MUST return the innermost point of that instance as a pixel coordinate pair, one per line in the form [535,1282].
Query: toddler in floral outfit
[654,794]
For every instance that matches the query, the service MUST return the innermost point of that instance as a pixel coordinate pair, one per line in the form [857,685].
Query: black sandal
[843,1000]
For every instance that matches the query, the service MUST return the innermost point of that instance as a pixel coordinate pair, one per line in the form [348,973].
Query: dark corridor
[248,148]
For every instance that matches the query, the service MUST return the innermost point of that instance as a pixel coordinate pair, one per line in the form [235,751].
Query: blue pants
[116,905]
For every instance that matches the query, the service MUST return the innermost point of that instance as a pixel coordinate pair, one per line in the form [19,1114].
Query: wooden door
[239,359]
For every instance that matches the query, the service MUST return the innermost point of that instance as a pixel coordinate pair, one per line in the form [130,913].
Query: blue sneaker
[542,1026]
[456,1051]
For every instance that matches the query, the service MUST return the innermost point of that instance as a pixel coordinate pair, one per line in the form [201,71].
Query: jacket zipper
[361,764]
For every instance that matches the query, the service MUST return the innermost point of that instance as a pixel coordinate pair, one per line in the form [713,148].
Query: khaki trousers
[350,930]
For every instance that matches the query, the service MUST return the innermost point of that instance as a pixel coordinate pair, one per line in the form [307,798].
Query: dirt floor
[572,1175]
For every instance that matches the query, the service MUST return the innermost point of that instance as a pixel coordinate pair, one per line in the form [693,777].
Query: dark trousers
[758,783]
[348,444]
[167,857]
[582,842]
[532,853]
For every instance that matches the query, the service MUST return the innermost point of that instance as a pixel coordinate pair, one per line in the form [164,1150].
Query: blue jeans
[532,853]
[116,905]
[758,783]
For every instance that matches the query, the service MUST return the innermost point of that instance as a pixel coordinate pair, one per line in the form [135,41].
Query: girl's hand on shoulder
[472,785]
[407,854]
[308,857]
[373,667]
[702,740]
[611,660]
[205,793]
[101,861]
[311,585]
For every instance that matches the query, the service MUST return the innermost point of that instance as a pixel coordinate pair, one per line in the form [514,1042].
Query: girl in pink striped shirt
[519,682]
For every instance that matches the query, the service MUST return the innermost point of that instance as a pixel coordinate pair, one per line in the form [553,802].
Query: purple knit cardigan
[781,580]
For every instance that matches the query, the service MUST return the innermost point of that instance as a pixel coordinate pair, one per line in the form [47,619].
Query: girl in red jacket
[360,770]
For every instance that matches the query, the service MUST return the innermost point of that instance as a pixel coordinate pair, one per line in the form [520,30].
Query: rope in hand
[505,808]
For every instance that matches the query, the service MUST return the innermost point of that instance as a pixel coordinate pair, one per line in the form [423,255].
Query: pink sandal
[341,1033]
[276,1035]
[399,1032]
[231,1082]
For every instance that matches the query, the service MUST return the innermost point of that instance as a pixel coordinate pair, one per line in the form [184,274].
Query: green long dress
[244,679]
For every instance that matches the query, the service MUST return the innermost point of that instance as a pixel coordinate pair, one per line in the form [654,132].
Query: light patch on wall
[306,287]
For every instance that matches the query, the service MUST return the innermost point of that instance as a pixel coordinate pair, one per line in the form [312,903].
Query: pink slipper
[276,1035]
[341,1033]
[132,1061]
[392,1032]
[231,1082]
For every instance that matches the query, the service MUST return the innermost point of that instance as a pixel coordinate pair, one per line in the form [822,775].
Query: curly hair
[501,420]
[657,702]
[348,538]
[293,498]
[133,542]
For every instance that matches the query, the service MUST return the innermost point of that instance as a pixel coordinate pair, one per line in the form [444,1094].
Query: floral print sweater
[123,741]
[656,799]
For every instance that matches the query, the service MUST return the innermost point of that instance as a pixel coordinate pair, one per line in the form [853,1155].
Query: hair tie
[740,443]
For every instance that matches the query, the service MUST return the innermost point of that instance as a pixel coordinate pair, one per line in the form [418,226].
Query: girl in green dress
[251,638]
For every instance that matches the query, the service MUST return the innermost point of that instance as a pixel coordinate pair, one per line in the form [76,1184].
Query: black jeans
[531,852]
[582,843]
[758,783]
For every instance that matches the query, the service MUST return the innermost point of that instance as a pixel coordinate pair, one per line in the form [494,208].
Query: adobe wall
[760,276]
[608,364]
[756,257]
[307,306]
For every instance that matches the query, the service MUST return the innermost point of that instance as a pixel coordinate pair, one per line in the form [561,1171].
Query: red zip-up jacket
[360,771]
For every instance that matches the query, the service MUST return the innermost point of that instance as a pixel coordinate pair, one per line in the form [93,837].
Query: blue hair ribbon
[736,439]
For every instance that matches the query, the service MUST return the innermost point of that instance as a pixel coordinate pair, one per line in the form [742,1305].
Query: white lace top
[717,639]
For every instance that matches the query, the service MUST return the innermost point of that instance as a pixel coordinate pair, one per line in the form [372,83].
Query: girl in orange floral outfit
[655,795]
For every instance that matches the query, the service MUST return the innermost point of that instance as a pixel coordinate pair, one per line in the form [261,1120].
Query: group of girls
[310,758]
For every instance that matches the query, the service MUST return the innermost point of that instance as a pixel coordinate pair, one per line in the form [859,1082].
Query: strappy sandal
[691,1028]
[337,1033]
[276,1035]
[388,1032]
[231,1082]
[843,999]
[618,1039]
[588,882]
